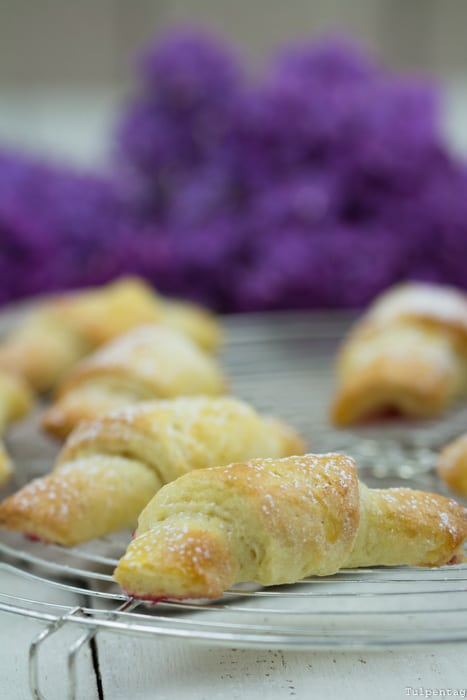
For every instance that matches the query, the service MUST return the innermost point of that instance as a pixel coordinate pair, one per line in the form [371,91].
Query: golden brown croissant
[452,465]
[110,468]
[408,354]
[149,362]
[15,402]
[64,329]
[277,521]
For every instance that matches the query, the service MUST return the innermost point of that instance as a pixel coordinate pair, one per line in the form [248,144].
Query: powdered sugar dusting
[444,513]
[435,302]
[54,497]
[285,505]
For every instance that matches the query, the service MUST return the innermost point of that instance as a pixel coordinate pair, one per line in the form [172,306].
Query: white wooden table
[165,669]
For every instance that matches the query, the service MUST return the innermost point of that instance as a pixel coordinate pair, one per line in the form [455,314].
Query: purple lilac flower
[317,184]
[58,228]
[181,117]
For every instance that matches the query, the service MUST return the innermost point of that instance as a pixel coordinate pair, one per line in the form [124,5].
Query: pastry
[5,465]
[64,329]
[408,354]
[276,521]
[110,468]
[149,362]
[15,402]
[452,465]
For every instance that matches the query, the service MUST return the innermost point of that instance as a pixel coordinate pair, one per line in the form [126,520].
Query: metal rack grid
[283,364]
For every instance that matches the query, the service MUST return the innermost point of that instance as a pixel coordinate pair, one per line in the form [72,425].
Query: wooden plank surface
[163,669]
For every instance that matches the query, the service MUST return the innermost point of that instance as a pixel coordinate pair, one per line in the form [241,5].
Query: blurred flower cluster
[316,184]
[58,228]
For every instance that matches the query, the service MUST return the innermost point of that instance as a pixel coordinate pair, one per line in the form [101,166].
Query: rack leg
[34,656]
[71,661]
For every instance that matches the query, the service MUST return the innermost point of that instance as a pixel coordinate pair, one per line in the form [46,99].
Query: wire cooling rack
[282,363]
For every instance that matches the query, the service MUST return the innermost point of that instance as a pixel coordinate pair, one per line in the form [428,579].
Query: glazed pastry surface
[110,468]
[66,328]
[276,521]
[407,354]
[149,362]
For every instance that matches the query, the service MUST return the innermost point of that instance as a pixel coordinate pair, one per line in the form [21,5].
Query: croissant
[15,402]
[64,329]
[408,354]
[149,362]
[452,465]
[276,521]
[110,468]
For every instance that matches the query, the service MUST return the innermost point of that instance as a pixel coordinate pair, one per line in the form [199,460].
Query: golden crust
[452,465]
[199,564]
[436,306]
[408,353]
[179,435]
[15,398]
[82,494]
[277,521]
[66,328]
[41,350]
[15,402]
[147,363]
[400,526]
[103,313]
[412,370]
[6,468]
[155,442]
[272,521]
[193,321]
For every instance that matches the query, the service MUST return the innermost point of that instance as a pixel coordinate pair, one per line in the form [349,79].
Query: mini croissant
[15,402]
[276,521]
[64,329]
[408,354]
[150,362]
[452,465]
[110,468]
